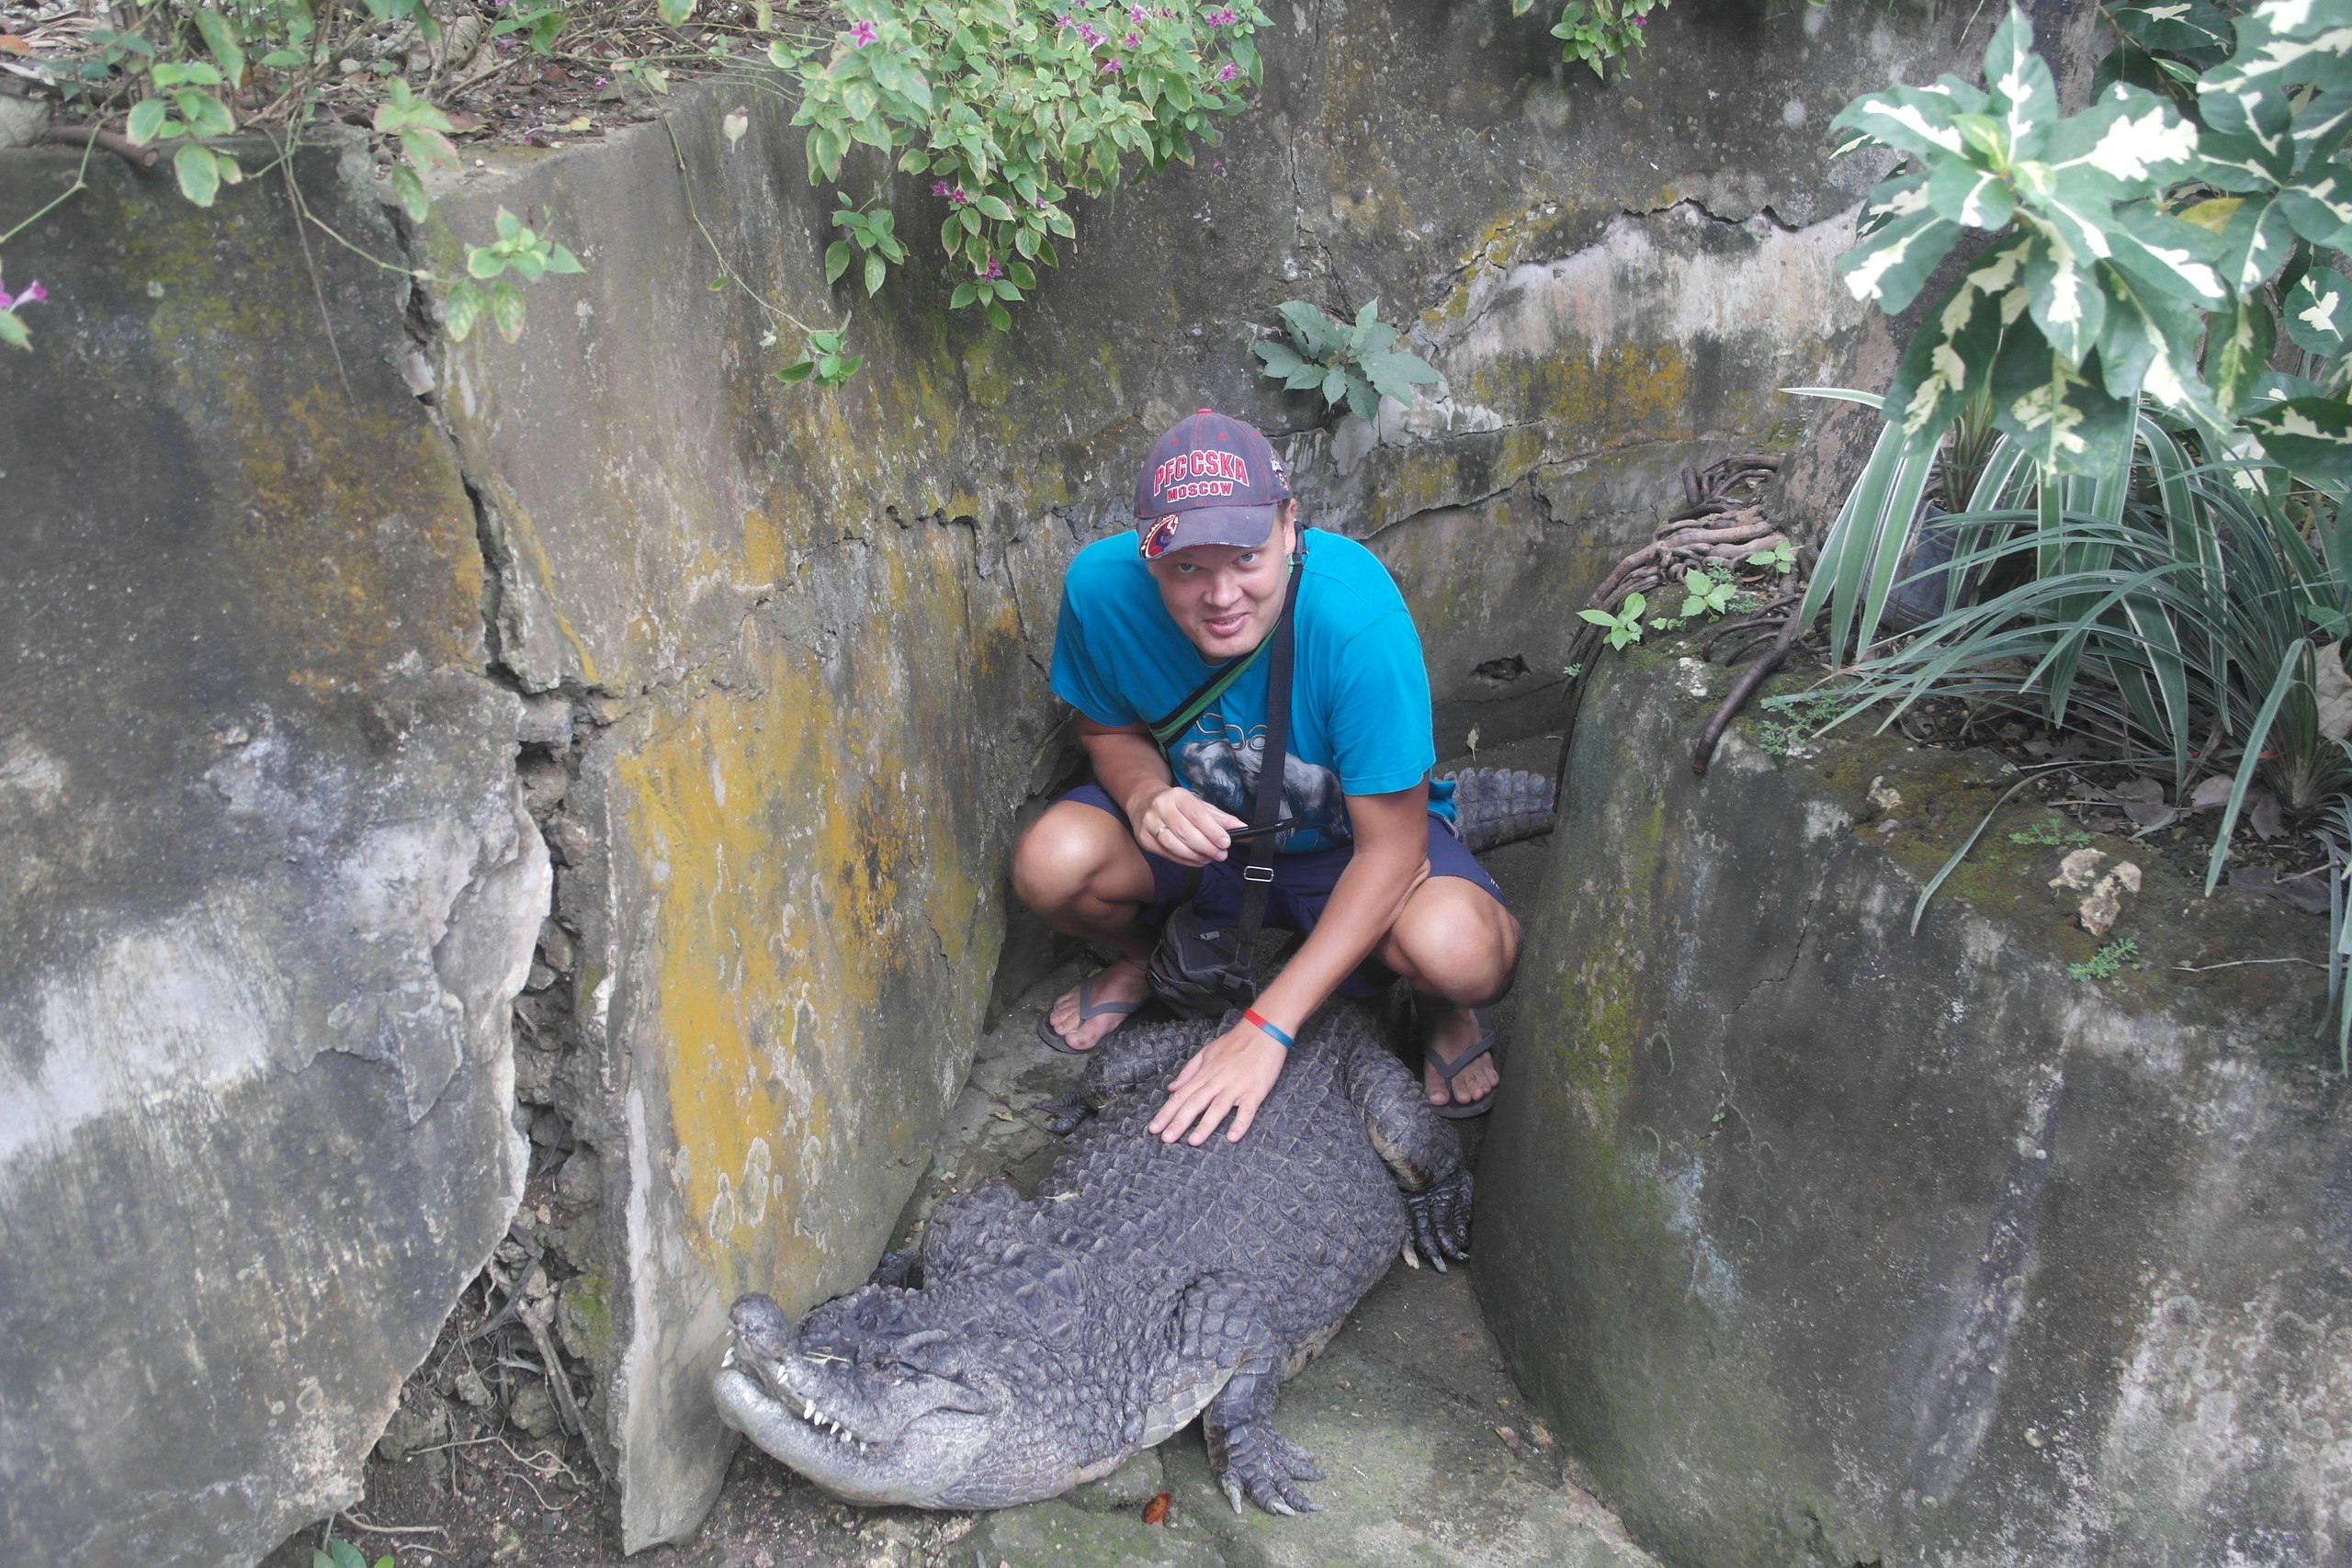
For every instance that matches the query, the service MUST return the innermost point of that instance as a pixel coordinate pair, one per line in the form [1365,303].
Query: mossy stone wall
[1822,1241]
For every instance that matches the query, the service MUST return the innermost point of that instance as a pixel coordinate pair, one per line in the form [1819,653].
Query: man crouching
[1367,865]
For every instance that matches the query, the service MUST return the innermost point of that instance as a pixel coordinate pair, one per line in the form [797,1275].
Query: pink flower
[1227,72]
[1222,16]
[1111,65]
[1641,21]
[959,196]
[1088,36]
[861,34]
[33,294]
[1137,15]
[939,188]
[995,269]
[1063,20]
[1037,201]
[1130,41]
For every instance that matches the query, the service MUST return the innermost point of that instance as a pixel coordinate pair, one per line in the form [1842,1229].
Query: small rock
[1508,1436]
[549,1129]
[539,978]
[544,783]
[470,1388]
[568,840]
[555,947]
[2079,869]
[1539,1433]
[411,1428]
[547,721]
[510,1543]
[581,1182]
[533,1409]
[1883,795]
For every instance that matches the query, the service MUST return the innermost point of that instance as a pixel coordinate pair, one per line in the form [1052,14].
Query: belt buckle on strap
[1257,873]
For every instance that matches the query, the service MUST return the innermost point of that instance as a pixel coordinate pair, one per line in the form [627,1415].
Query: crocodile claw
[1440,1218]
[1264,1466]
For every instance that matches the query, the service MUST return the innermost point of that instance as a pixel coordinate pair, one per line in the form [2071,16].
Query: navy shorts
[1302,884]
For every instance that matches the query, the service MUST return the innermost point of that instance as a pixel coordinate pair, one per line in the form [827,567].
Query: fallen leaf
[1004,1116]
[11,44]
[2334,693]
[1155,1511]
[460,122]
[2308,894]
[1542,1433]
[580,122]
[1508,1436]
[2138,787]
[2150,814]
[2209,794]
[736,123]
[2262,813]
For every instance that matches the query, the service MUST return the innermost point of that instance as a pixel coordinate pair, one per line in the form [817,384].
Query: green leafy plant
[2052,832]
[827,363]
[1795,717]
[1666,623]
[1623,628]
[423,133]
[2107,963]
[1349,365]
[1011,107]
[870,233]
[1780,559]
[1598,31]
[1705,593]
[339,1553]
[524,251]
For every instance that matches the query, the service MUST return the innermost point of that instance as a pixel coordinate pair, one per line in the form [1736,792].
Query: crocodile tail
[1500,805]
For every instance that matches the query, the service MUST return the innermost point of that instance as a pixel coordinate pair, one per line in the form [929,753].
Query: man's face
[1226,598]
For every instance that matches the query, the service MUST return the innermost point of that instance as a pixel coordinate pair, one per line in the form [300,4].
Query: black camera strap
[1258,862]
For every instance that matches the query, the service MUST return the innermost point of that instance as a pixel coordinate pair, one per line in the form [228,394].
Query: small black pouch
[1200,970]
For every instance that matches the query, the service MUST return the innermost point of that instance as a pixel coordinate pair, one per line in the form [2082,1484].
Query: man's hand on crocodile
[1178,825]
[1234,1072]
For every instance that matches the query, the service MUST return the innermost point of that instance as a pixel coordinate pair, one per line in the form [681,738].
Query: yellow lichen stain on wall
[803,841]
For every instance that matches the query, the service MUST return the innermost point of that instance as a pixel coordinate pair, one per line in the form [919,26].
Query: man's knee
[1456,939]
[1063,854]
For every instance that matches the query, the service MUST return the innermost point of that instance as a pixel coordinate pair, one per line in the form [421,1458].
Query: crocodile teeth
[808,1410]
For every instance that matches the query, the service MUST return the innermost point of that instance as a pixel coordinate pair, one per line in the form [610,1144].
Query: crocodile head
[862,1398]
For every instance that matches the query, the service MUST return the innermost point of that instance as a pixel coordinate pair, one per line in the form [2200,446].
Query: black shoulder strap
[1257,865]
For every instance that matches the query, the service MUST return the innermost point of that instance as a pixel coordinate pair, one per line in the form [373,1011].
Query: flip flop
[1454,1110]
[1087,1008]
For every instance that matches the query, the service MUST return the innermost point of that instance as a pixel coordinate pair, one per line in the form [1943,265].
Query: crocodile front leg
[1247,1456]
[1418,1145]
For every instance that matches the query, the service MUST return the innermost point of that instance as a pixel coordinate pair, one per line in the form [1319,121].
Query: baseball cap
[1211,481]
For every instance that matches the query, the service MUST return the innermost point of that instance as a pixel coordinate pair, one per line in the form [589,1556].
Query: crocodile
[1492,806]
[1030,1345]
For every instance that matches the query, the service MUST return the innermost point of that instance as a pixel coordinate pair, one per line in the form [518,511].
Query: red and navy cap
[1211,481]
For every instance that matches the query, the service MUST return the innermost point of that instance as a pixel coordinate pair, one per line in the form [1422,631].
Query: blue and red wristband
[1277,1035]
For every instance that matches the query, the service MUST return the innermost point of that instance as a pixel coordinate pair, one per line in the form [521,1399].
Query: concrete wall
[1822,1243]
[266,888]
[765,664]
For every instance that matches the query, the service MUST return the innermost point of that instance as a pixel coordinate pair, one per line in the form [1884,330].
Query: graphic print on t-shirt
[1220,763]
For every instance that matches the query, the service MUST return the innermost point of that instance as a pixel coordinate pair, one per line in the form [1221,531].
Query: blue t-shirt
[1360,694]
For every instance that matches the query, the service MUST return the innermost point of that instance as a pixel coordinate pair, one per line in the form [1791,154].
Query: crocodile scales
[1147,1284]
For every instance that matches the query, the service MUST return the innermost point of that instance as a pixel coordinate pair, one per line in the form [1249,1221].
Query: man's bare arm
[1165,818]
[1235,1071]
